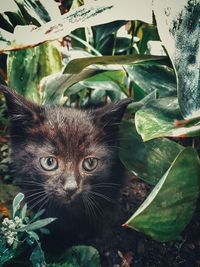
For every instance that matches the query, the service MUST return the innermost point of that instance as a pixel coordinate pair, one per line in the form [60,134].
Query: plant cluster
[121,58]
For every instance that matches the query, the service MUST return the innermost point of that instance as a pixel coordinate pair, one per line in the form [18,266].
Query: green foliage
[153,76]
[76,65]
[18,233]
[169,207]
[162,117]
[79,256]
[26,69]
[150,160]
[102,65]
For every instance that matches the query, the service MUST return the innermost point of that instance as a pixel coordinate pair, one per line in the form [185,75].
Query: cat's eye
[90,164]
[49,163]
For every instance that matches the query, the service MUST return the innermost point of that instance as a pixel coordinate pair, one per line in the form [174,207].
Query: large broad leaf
[76,65]
[150,160]
[79,256]
[178,26]
[27,67]
[93,13]
[162,117]
[151,76]
[169,207]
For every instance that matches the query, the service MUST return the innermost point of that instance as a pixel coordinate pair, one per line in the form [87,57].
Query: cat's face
[64,154]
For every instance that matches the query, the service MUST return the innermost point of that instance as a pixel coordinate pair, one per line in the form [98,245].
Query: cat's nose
[70,186]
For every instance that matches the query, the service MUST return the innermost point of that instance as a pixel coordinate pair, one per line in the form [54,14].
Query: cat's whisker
[103,197]
[87,210]
[48,208]
[97,206]
[32,183]
[105,187]
[27,182]
[35,198]
[91,207]
[44,204]
[32,190]
[35,194]
[38,201]
[106,184]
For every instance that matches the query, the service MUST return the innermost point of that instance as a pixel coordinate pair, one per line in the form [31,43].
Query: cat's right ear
[20,110]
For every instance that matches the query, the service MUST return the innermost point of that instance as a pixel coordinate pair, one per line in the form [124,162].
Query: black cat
[67,162]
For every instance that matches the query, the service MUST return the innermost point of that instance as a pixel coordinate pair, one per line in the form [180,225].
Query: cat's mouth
[65,196]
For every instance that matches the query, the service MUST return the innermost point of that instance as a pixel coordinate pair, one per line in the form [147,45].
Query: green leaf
[151,76]
[16,203]
[5,24]
[78,38]
[23,212]
[122,45]
[101,36]
[27,67]
[15,18]
[162,117]
[135,106]
[178,24]
[26,13]
[76,65]
[37,257]
[45,10]
[37,215]
[54,86]
[169,208]
[79,256]
[150,160]
[108,80]
[146,32]
[6,254]
[36,225]
[104,40]
[33,235]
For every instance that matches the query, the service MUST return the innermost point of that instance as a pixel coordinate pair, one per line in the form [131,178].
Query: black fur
[70,135]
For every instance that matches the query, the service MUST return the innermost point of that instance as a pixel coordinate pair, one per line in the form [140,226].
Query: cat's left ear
[111,114]
[20,110]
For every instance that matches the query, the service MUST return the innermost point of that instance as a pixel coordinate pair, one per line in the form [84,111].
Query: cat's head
[63,153]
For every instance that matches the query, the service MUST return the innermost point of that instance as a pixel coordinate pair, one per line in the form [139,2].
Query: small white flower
[11,225]
[10,240]
[9,229]
[18,222]
[5,221]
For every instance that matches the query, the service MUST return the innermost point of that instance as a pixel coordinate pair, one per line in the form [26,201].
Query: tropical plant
[102,65]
